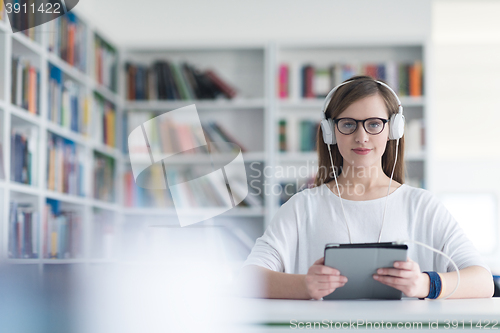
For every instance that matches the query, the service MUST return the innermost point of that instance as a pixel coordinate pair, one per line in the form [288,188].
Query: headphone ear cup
[328,133]
[396,126]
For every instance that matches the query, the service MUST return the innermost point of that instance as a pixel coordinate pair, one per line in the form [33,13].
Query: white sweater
[297,235]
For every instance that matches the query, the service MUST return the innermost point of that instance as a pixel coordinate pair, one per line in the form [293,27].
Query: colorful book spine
[23,231]
[23,155]
[68,40]
[283,85]
[405,78]
[282,135]
[166,80]
[105,60]
[25,90]
[103,182]
[62,232]
[105,121]
[65,163]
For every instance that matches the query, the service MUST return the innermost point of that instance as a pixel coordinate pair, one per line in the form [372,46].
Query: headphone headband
[330,95]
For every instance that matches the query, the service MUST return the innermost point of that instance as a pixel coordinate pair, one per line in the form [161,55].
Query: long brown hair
[360,87]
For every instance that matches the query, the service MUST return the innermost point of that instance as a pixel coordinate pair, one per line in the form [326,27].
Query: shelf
[63,261]
[105,92]
[297,156]
[23,188]
[106,150]
[191,212]
[28,43]
[67,133]
[105,205]
[415,156]
[69,70]
[73,199]
[20,261]
[187,159]
[317,104]
[25,115]
[200,104]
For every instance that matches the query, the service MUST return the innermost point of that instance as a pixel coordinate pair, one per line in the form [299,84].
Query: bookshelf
[85,112]
[49,212]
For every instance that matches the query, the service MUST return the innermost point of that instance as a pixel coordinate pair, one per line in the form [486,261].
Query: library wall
[257,20]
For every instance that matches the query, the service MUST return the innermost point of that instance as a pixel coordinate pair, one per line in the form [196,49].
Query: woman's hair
[360,87]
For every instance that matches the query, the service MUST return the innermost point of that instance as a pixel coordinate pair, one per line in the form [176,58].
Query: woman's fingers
[330,278]
[395,272]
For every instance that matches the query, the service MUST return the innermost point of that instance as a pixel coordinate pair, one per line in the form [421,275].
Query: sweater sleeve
[451,239]
[276,249]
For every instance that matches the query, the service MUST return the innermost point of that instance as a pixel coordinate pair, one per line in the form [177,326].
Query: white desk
[280,315]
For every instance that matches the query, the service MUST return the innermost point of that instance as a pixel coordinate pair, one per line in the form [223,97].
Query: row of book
[68,105]
[105,60]
[23,231]
[62,232]
[68,39]
[65,165]
[104,172]
[167,80]
[23,154]
[169,136]
[203,194]
[25,90]
[309,81]
[105,121]
[307,132]
[25,17]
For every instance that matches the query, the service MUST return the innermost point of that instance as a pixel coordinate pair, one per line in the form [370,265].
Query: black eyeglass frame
[384,121]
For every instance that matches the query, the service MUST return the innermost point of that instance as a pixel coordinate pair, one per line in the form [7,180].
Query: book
[105,60]
[282,135]
[103,177]
[68,40]
[283,84]
[168,80]
[105,121]
[25,90]
[62,231]
[23,154]
[65,163]
[23,231]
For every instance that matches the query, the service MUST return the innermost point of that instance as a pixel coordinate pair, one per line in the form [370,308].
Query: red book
[283,81]
[309,82]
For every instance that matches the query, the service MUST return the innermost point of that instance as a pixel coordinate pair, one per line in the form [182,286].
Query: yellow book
[1,10]
[53,245]
[86,116]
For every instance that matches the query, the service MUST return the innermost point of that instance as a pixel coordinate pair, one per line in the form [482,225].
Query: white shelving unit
[251,68]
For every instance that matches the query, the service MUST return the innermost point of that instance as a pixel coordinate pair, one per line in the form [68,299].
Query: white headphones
[396,123]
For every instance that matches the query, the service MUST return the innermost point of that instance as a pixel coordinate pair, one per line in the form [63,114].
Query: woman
[284,261]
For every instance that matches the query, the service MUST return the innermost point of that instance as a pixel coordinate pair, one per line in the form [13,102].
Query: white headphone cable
[437,251]
[336,183]
[388,190]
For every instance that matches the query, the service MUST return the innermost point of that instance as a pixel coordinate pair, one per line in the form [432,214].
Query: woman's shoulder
[419,196]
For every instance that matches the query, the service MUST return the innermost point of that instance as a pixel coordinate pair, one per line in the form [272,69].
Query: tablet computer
[358,262]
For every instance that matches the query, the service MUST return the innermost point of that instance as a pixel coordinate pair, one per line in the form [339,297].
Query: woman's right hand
[322,280]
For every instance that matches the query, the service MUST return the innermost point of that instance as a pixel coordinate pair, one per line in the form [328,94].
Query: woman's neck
[365,178]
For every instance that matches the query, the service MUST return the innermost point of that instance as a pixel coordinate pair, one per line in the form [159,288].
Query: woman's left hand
[405,276]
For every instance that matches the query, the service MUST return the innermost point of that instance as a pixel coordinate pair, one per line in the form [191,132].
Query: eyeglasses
[348,125]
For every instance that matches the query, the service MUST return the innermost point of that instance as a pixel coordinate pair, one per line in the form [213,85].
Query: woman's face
[374,145]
